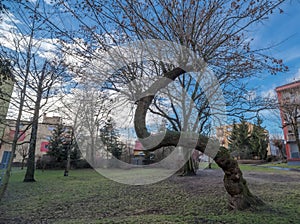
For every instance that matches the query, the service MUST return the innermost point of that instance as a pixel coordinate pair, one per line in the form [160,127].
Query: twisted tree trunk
[236,186]
[234,182]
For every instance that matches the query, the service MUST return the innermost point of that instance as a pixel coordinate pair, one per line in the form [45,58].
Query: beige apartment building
[6,89]
[45,130]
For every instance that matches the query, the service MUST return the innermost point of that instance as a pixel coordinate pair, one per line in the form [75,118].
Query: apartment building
[289,105]
[45,130]
[6,89]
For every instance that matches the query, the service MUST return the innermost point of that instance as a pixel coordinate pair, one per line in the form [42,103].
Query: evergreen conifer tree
[232,139]
[110,138]
[239,139]
[259,140]
[56,148]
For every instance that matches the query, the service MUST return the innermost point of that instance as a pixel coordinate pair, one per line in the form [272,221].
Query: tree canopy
[63,142]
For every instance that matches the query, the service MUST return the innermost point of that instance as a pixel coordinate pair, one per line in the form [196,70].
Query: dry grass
[87,197]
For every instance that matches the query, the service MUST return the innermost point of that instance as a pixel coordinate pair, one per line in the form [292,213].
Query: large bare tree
[216,31]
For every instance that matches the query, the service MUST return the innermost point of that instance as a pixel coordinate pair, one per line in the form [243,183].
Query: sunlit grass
[87,197]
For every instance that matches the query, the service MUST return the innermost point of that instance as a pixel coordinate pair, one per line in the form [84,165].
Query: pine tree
[259,140]
[110,138]
[239,139]
[232,139]
[244,138]
[75,151]
[56,148]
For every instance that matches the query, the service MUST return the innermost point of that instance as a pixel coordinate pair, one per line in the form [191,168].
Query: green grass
[261,168]
[249,167]
[283,165]
[87,197]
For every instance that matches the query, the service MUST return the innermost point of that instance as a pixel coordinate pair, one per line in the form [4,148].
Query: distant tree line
[63,142]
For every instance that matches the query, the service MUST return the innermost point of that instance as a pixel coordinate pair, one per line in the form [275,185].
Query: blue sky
[283,31]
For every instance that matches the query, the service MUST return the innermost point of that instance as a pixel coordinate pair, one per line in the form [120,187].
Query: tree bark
[234,182]
[29,176]
[23,163]
[189,168]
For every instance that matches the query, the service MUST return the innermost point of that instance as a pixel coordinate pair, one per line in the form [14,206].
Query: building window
[294,151]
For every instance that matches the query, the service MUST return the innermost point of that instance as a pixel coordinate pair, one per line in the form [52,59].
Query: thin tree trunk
[23,162]
[29,176]
[15,140]
[92,151]
[189,168]
[13,151]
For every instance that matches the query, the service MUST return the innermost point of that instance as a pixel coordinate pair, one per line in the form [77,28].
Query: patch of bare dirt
[205,182]
[211,180]
[273,177]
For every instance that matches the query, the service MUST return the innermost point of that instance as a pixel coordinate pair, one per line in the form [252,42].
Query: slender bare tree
[37,70]
[23,152]
[87,108]
[278,141]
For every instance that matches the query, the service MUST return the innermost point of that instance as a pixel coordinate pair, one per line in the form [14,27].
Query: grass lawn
[87,197]
[283,165]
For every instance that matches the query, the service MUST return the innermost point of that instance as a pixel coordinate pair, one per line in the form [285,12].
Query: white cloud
[49,2]
[272,122]
[12,38]
[295,77]
[270,93]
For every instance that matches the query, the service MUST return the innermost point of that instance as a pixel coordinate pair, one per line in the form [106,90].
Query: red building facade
[289,103]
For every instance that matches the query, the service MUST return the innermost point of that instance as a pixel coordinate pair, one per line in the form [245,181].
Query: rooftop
[288,86]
